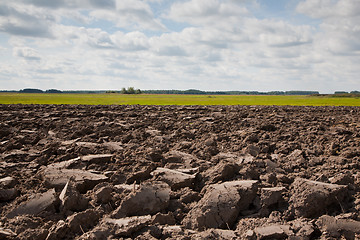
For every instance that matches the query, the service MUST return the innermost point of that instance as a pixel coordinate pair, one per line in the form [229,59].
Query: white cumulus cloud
[27,53]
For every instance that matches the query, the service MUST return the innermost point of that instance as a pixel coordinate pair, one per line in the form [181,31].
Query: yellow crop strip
[163,99]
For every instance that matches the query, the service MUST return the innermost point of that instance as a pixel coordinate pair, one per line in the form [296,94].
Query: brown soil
[179,172]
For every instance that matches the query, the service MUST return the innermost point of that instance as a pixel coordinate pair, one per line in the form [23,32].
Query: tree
[131,90]
[31,90]
[123,91]
[53,91]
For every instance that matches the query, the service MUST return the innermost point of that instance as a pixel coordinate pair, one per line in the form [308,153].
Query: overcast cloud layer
[261,45]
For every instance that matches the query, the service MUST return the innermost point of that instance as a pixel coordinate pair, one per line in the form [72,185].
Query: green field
[152,99]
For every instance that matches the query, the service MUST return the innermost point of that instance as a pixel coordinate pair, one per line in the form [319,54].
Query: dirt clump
[313,199]
[179,172]
[175,179]
[150,198]
[221,205]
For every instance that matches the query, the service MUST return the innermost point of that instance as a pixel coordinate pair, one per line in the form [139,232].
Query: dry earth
[168,172]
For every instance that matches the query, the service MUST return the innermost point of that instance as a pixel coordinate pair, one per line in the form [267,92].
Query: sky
[245,45]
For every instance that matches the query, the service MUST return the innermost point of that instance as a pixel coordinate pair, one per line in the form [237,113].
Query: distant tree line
[53,91]
[344,92]
[35,90]
[199,92]
[31,90]
[129,90]
[132,90]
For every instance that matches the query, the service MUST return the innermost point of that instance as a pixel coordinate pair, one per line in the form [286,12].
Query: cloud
[22,21]
[329,8]
[71,3]
[339,31]
[96,38]
[132,41]
[103,3]
[134,14]
[208,12]
[26,53]
[38,18]
[45,3]
[277,33]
